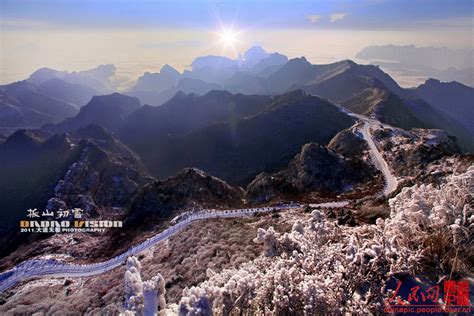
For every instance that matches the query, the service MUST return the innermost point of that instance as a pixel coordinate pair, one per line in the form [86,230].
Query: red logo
[456,293]
[447,297]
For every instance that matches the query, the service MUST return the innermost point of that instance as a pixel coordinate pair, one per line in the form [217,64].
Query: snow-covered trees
[436,223]
[422,206]
[133,285]
[142,297]
[322,267]
[306,270]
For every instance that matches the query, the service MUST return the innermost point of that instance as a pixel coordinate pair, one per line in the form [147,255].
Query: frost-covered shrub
[145,298]
[302,271]
[197,301]
[133,286]
[320,267]
[153,295]
[269,238]
[434,221]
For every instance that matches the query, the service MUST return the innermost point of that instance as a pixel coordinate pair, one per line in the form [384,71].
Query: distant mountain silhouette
[364,89]
[98,78]
[166,79]
[24,104]
[107,111]
[254,55]
[268,65]
[44,74]
[73,93]
[212,69]
[242,75]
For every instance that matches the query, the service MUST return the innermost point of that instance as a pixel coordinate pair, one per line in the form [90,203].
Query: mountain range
[364,89]
[50,96]
[260,122]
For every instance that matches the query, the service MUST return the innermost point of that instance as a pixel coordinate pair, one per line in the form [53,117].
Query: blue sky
[337,14]
[143,35]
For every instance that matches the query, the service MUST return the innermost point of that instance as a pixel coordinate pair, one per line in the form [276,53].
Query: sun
[228,38]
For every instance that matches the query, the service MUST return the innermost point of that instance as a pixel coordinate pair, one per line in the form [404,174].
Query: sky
[143,35]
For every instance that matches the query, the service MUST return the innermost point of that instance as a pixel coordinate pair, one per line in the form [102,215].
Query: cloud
[337,16]
[313,18]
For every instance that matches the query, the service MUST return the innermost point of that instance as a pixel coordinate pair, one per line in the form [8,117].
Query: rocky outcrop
[191,187]
[107,174]
[408,152]
[315,168]
[348,144]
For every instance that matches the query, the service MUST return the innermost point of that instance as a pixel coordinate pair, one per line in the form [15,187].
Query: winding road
[391,182]
[37,268]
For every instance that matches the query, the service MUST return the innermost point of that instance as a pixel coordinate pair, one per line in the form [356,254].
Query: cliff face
[107,174]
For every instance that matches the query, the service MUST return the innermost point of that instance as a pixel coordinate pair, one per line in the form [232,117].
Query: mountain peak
[254,54]
[255,49]
[25,138]
[113,96]
[168,70]
[432,81]
[218,94]
[299,61]
[349,62]
[44,74]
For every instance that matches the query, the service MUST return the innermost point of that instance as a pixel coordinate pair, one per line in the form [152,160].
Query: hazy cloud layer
[23,24]
[412,65]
